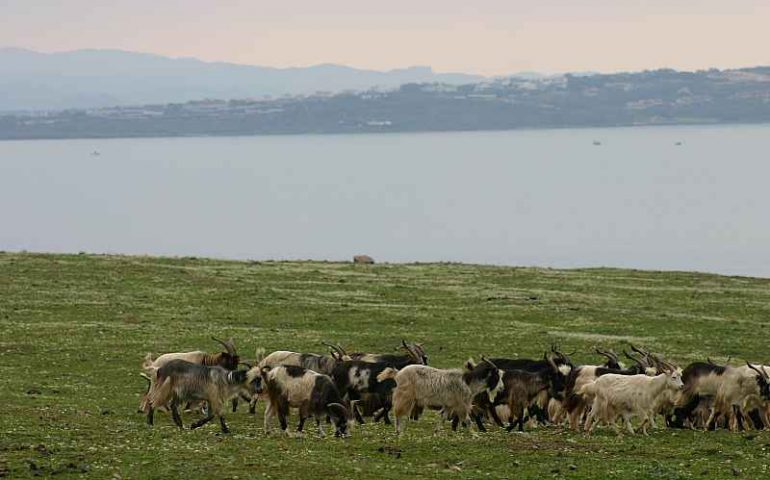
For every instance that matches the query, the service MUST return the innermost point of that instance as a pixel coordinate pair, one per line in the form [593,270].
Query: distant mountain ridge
[32,80]
[659,97]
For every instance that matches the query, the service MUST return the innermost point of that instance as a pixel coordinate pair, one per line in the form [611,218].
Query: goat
[451,390]
[701,379]
[546,370]
[415,355]
[564,365]
[181,381]
[323,364]
[372,403]
[627,396]
[358,379]
[313,393]
[577,403]
[522,388]
[741,388]
[228,359]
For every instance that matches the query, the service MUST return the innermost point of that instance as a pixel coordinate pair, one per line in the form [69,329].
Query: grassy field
[74,329]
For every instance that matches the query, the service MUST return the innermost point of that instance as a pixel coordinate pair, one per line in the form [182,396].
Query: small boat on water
[597,143]
[95,153]
[678,144]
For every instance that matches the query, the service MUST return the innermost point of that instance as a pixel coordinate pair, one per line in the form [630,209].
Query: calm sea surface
[549,198]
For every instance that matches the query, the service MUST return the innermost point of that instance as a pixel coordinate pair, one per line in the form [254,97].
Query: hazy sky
[481,36]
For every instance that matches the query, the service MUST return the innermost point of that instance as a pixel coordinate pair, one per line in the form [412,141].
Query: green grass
[74,329]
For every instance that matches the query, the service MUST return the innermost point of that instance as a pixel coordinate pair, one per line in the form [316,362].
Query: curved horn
[759,372]
[491,364]
[415,356]
[335,349]
[228,346]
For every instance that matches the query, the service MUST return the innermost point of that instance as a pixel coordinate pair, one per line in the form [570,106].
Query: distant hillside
[661,97]
[101,78]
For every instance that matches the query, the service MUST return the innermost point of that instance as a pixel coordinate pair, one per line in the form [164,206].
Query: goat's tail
[588,390]
[387,374]
[148,361]
[260,355]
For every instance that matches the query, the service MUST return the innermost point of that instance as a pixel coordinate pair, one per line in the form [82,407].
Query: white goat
[628,396]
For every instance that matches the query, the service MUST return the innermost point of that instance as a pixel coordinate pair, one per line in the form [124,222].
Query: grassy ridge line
[76,326]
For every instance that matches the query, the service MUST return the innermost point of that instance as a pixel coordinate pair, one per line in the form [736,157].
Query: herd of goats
[342,388]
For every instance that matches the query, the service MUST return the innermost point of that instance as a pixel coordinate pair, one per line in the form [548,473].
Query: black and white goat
[313,393]
[452,391]
[358,380]
[179,381]
[731,390]
[545,376]
[539,408]
[415,355]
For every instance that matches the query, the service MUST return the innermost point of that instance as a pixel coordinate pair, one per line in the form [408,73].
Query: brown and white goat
[179,381]
[323,364]
[420,386]
[314,394]
[228,359]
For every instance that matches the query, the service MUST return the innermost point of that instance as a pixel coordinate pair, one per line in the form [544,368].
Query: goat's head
[560,358]
[674,379]
[415,352]
[763,381]
[229,358]
[254,383]
[339,416]
[612,358]
[493,377]
[337,352]
[557,380]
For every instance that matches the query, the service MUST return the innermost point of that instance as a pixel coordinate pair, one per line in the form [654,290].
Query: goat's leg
[356,412]
[495,416]
[282,420]
[223,424]
[175,414]
[455,422]
[268,417]
[478,418]
[150,415]
[711,422]
[386,414]
[235,404]
[320,426]
[627,420]
[253,405]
